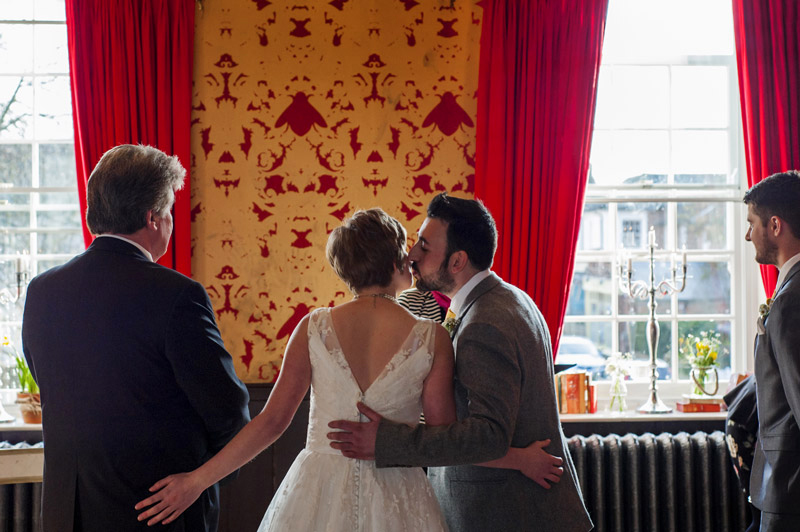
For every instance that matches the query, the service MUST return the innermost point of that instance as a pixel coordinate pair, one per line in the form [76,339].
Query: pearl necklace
[384,296]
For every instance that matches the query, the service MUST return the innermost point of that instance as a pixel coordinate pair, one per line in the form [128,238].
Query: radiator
[20,507]
[670,482]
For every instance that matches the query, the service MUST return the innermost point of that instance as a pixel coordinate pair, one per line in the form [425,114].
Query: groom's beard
[441,281]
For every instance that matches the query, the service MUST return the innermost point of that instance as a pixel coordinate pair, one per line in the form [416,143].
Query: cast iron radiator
[20,507]
[670,482]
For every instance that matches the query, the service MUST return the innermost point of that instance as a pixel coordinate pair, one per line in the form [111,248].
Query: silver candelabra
[644,290]
[22,278]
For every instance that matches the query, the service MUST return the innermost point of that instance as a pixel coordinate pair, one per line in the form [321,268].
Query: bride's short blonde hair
[366,249]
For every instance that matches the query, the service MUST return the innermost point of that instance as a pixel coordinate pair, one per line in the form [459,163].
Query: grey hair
[126,183]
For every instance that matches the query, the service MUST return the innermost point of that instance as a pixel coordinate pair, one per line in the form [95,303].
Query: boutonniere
[451,324]
[763,309]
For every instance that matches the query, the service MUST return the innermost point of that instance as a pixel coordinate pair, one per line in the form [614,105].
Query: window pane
[648,30]
[635,306]
[700,96]
[587,345]
[708,289]
[590,294]
[51,56]
[702,225]
[50,10]
[60,243]
[634,97]
[17,93]
[58,198]
[703,179]
[16,48]
[700,152]
[54,110]
[13,242]
[57,166]
[713,327]
[634,221]
[58,219]
[633,339]
[629,157]
[14,199]
[15,165]
[594,228]
[14,219]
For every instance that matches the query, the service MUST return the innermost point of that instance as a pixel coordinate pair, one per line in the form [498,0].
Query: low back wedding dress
[325,491]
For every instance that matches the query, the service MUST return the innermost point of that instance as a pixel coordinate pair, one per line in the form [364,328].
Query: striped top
[421,304]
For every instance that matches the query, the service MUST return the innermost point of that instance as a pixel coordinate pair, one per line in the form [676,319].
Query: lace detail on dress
[323,490]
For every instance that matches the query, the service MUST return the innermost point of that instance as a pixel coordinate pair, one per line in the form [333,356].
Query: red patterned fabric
[768,57]
[131,80]
[539,64]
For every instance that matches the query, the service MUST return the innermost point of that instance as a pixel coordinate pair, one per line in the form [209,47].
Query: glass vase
[618,393]
[705,380]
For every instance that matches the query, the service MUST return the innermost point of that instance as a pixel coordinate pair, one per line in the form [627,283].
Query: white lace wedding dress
[323,490]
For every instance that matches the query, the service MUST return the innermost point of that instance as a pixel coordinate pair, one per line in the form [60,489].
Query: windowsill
[17,425]
[634,416]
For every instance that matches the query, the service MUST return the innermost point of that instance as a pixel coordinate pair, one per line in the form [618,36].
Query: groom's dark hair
[470,227]
[777,195]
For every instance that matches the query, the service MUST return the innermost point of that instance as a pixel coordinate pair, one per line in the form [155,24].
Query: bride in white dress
[368,350]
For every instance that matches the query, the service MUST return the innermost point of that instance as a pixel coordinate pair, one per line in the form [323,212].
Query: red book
[572,385]
[698,407]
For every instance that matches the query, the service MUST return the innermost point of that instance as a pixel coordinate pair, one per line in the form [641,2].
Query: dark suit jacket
[135,382]
[775,478]
[505,397]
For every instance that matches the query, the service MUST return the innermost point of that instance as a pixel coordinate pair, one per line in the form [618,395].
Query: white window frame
[746,287]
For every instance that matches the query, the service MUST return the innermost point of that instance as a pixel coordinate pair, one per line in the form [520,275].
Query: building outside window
[39,214]
[665,154]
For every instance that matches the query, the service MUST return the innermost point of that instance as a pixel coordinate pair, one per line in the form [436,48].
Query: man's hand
[355,439]
[540,466]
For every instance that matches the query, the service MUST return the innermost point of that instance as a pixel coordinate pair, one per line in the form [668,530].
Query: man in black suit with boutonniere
[135,379]
[773,217]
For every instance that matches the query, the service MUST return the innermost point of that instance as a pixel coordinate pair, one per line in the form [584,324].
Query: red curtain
[539,65]
[768,57]
[131,79]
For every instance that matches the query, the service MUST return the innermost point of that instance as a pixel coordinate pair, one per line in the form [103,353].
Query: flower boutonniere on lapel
[763,309]
[763,312]
[451,324]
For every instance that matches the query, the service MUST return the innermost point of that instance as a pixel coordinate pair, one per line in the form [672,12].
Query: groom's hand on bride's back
[355,439]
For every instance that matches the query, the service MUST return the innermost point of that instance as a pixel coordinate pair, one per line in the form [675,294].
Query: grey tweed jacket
[504,397]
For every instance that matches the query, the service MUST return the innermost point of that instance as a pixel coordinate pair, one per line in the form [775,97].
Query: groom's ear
[458,261]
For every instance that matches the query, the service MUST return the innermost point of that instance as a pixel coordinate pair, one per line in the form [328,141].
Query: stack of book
[701,403]
[576,393]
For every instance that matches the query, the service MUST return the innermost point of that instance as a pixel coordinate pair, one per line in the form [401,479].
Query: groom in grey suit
[773,217]
[504,390]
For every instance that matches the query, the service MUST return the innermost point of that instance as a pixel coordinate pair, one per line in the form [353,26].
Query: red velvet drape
[539,65]
[768,57]
[131,79]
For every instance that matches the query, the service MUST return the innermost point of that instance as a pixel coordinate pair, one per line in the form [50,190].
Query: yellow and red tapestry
[303,113]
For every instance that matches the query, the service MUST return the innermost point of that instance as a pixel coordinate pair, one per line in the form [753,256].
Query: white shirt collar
[129,241]
[783,272]
[460,297]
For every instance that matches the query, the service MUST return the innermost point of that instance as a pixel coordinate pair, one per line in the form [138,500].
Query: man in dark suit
[504,389]
[135,379]
[773,217]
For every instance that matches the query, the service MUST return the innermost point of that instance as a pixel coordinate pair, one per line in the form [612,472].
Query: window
[39,215]
[665,155]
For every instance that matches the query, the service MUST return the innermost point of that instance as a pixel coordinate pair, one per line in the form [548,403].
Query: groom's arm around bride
[504,389]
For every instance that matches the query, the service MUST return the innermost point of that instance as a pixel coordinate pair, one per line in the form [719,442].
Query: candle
[683,259]
[19,264]
[630,265]
[651,237]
